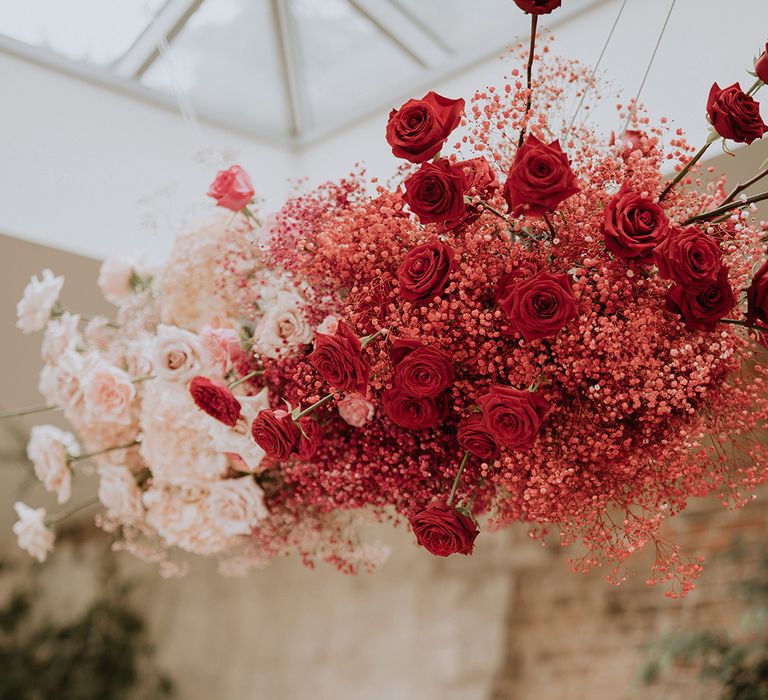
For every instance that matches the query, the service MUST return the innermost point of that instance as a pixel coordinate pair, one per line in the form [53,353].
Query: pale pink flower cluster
[50,450]
[33,536]
[38,301]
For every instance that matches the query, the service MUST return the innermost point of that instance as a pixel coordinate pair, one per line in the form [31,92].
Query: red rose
[215,399]
[540,306]
[443,530]
[413,412]
[538,7]
[310,438]
[481,178]
[761,66]
[424,272]
[418,130]
[435,193]
[757,296]
[276,433]
[339,361]
[539,179]
[513,417]
[689,257]
[702,309]
[420,370]
[232,189]
[475,436]
[633,225]
[734,114]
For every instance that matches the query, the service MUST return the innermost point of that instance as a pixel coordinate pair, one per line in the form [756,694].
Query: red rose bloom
[435,193]
[424,272]
[513,417]
[276,433]
[734,114]
[761,66]
[633,225]
[702,309]
[757,296]
[475,436]
[310,438]
[538,7]
[339,361]
[232,189]
[540,306]
[689,257]
[420,370]
[443,530]
[418,130]
[413,412]
[539,179]
[215,399]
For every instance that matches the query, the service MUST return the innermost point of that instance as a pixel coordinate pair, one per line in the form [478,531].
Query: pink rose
[232,189]
[355,410]
[108,393]
[220,348]
[115,275]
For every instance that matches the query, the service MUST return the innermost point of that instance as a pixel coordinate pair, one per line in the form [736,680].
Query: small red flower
[215,399]
[232,189]
[275,431]
[442,530]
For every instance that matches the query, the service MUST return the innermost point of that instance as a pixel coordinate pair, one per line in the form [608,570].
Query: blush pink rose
[355,410]
[115,275]
[232,189]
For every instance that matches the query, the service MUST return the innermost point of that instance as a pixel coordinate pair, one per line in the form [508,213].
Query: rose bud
[539,307]
[435,193]
[215,399]
[734,114]
[539,179]
[633,225]
[538,7]
[339,361]
[475,436]
[310,438]
[420,370]
[413,412]
[761,66]
[442,530]
[424,272]
[702,309]
[757,296]
[355,410]
[513,417]
[275,431]
[232,189]
[689,257]
[418,130]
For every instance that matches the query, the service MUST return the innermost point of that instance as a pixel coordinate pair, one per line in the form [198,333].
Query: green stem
[145,378]
[531,54]
[755,87]
[28,411]
[89,455]
[315,405]
[370,338]
[714,136]
[455,486]
[69,513]
[248,376]
[707,215]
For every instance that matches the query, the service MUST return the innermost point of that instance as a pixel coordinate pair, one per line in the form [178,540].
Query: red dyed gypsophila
[425,270]
[443,530]
[215,399]
[275,431]
[338,358]
[232,189]
[513,417]
[734,114]
[420,370]
[633,225]
[435,192]
[418,130]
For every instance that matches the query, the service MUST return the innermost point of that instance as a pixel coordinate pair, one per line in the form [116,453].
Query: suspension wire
[650,64]
[595,68]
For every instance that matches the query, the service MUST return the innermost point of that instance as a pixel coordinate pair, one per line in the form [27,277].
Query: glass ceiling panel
[346,61]
[92,31]
[226,60]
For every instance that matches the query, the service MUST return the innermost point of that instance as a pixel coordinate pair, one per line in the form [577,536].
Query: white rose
[60,382]
[61,334]
[115,279]
[32,534]
[235,506]
[175,354]
[49,450]
[328,326]
[119,493]
[237,439]
[283,327]
[40,296]
[108,393]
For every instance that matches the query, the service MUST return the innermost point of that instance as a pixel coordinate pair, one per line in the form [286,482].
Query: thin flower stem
[712,138]
[72,511]
[755,87]
[315,405]
[707,215]
[455,486]
[89,317]
[736,322]
[531,55]
[550,226]
[248,376]
[145,378]
[28,411]
[89,455]
[505,219]
[364,342]
[743,186]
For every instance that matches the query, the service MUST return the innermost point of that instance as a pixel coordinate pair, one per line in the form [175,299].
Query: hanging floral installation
[531,323]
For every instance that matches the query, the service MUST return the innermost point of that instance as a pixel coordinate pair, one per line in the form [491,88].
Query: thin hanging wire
[650,64]
[597,65]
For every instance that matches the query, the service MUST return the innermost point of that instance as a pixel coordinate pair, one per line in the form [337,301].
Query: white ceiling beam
[168,22]
[290,66]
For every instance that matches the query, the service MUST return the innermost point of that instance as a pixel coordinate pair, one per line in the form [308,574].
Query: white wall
[93,171]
